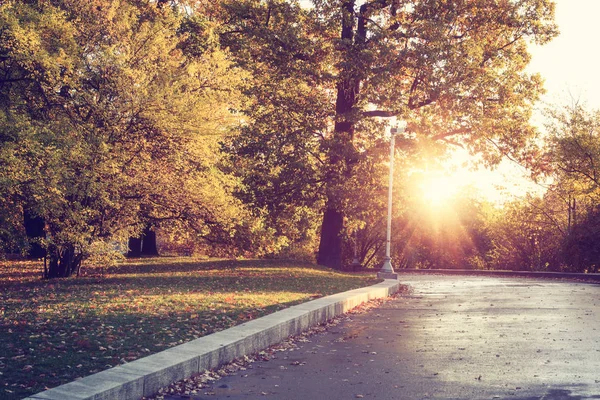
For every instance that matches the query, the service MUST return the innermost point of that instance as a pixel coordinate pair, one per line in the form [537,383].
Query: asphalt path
[449,337]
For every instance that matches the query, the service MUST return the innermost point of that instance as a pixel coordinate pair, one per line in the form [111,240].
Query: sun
[462,177]
[439,191]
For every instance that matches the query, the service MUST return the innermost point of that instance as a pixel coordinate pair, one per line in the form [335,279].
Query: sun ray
[437,227]
[438,190]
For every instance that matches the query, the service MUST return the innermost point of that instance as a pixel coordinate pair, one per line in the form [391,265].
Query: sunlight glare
[439,190]
[456,178]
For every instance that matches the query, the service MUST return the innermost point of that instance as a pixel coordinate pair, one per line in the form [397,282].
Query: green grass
[52,332]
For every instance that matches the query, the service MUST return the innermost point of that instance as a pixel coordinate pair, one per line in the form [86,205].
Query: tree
[574,145]
[581,249]
[114,123]
[574,163]
[451,65]
[144,245]
[453,70]
[526,235]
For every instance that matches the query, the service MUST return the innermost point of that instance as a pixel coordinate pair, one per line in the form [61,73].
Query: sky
[570,62]
[569,65]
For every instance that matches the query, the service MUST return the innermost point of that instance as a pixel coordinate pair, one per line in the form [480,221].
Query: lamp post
[387,271]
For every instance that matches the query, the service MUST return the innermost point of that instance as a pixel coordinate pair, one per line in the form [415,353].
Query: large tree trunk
[330,246]
[145,245]
[134,247]
[340,153]
[62,263]
[149,247]
[34,229]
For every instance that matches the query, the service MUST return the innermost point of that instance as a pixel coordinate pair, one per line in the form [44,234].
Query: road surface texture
[450,337]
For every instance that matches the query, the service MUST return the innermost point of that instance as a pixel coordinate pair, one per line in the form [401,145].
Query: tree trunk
[330,246]
[34,229]
[342,154]
[149,242]
[62,263]
[134,247]
[145,245]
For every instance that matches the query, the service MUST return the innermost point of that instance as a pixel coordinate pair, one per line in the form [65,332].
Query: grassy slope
[52,332]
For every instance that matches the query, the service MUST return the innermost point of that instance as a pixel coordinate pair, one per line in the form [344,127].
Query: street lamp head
[398,128]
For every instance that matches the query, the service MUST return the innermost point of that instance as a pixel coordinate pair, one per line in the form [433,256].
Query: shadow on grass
[26,271]
[52,332]
[82,291]
[29,272]
[182,264]
[20,270]
[56,352]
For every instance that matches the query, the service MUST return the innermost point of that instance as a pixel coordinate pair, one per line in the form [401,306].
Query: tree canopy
[326,76]
[262,127]
[111,116]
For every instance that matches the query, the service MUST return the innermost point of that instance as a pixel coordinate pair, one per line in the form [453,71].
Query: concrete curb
[523,274]
[146,376]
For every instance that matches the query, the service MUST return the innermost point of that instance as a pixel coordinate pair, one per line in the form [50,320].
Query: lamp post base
[387,271]
[387,275]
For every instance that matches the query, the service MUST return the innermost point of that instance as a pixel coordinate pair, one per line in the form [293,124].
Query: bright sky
[570,62]
[570,66]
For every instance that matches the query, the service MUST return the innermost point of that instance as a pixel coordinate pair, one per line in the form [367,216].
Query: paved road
[452,337]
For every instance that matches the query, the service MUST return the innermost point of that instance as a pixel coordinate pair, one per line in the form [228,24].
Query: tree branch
[454,132]
[380,113]
[426,102]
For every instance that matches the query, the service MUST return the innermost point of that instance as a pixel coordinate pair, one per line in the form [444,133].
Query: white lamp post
[387,271]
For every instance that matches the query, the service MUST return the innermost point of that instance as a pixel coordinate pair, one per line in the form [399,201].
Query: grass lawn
[52,332]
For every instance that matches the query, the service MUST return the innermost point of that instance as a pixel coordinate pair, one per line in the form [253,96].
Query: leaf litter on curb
[199,383]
